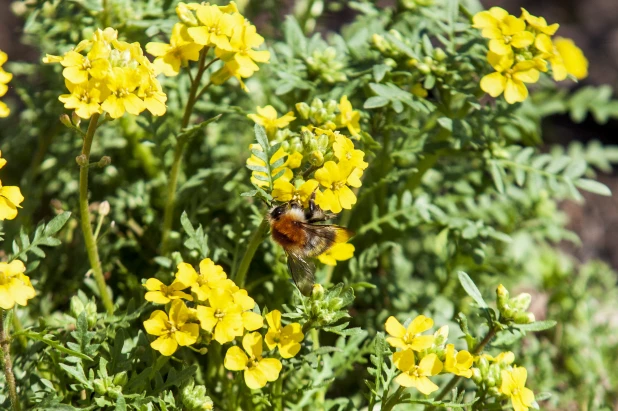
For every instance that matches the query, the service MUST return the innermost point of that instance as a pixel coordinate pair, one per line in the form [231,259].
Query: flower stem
[168,214]
[477,350]
[5,347]
[241,275]
[91,245]
[393,400]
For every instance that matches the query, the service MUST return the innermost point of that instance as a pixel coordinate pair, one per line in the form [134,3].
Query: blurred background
[592,24]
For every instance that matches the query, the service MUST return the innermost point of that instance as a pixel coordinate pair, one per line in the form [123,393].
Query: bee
[294,228]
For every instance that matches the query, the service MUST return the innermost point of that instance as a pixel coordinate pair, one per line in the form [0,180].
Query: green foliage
[460,196]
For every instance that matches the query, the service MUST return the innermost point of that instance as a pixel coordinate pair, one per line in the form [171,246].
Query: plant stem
[392,401]
[321,394]
[477,350]
[256,240]
[168,215]
[91,244]
[278,394]
[5,347]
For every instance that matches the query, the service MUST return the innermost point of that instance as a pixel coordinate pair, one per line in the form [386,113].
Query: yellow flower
[338,252]
[409,338]
[257,370]
[240,61]
[287,339]
[514,386]
[573,59]
[15,286]
[348,117]
[4,80]
[123,94]
[172,331]
[211,277]
[336,177]
[419,91]
[159,293]
[458,363]
[504,30]
[285,191]
[267,117]
[10,200]
[509,80]
[152,94]
[505,358]
[85,98]
[2,160]
[344,150]
[216,27]
[171,57]
[539,23]
[417,375]
[228,315]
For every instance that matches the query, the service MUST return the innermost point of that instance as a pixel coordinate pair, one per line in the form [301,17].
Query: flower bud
[502,295]
[104,161]
[390,62]
[523,318]
[77,306]
[75,119]
[521,302]
[439,54]
[476,376]
[114,393]
[424,68]
[100,387]
[331,106]
[104,208]
[121,378]
[64,119]
[483,365]
[91,314]
[303,109]
[81,160]
[220,76]
[441,335]
[316,158]
[203,350]
[317,104]
[317,293]
[185,15]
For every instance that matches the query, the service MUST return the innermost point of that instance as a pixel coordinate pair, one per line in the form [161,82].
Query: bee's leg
[314,213]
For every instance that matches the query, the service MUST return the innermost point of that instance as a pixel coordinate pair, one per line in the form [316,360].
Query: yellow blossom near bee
[348,117]
[228,315]
[409,338]
[344,150]
[509,79]
[172,330]
[5,78]
[159,293]
[339,252]
[284,191]
[287,339]
[257,369]
[10,200]
[267,118]
[417,375]
[504,30]
[211,277]
[514,386]
[171,57]
[459,362]
[337,178]
[15,286]
[573,59]
[113,76]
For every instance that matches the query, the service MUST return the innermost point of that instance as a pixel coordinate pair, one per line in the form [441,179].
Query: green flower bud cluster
[194,398]
[388,49]
[514,309]
[326,65]
[111,386]
[326,307]
[431,64]
[487,373]
[319,114]
[77,307]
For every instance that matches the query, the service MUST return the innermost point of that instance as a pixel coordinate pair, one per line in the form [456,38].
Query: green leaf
[593,186]
[471,289]
[537,325]
[190,132]
[496,175]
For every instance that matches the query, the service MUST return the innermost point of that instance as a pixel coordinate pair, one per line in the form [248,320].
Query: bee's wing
[323,236]
[302,272]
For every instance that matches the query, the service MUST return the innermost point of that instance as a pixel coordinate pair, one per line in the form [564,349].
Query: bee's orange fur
[287,233]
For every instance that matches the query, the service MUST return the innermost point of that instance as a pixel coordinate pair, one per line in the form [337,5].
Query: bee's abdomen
[288,234]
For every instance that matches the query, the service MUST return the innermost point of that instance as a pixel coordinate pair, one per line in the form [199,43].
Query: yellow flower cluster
[223,312]
[510,379]
[15,286]
[4,80]
[320,159]
[112,76]
[10,198]
[205,26]
[423,356]
[520,48]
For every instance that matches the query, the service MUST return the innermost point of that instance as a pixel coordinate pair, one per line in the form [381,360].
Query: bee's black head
[278,211]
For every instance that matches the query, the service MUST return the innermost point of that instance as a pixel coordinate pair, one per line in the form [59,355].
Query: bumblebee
[294,228]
